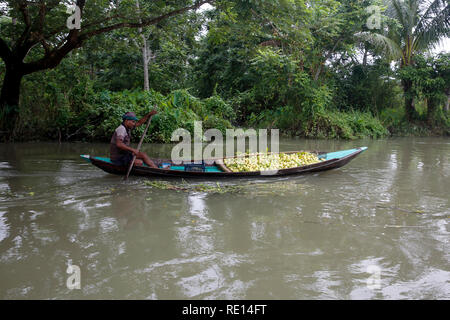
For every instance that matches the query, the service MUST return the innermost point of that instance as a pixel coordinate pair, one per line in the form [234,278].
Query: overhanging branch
[74,39]
[145,22]
[23,8]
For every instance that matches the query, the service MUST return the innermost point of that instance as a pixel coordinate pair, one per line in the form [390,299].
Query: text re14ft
[230,309]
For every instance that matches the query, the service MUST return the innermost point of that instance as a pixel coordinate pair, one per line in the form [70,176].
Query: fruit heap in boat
[273,161]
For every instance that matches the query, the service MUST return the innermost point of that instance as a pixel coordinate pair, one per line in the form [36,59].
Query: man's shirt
[123,135]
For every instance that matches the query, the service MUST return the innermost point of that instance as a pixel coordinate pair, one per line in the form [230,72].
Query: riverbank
[333,132]
[94,118]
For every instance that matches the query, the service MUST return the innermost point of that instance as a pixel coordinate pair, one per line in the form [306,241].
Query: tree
[42,27]
[178,33]
[430,77]
[420,25]
[333,26]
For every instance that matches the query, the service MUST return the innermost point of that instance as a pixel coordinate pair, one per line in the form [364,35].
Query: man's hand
[145,118]
[135,152]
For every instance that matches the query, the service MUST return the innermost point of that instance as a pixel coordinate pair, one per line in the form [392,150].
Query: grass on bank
[95,117]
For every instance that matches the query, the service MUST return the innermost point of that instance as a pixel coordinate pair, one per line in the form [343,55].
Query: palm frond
[395,9]
[405,12]
[435,8]
[433,30]
[413,14]
[393,50]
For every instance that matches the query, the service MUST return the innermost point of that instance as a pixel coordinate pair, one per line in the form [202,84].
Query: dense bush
[334,124]
[329,124]
[286,97]
[366,88]
[94,116]
[395,122]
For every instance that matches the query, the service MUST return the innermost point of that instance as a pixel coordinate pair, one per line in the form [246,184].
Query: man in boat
[121,152]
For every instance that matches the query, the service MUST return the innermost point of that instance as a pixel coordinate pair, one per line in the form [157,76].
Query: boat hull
[328,164]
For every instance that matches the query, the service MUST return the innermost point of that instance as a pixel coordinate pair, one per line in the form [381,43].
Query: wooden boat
[330,160]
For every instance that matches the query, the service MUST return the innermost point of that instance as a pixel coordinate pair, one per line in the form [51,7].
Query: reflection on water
[4,227]
[316,236]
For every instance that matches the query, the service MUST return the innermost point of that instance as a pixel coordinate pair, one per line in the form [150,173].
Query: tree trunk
[431,107]
[409,99]
[145,60]
[145,53]
[9,101]
[365,57]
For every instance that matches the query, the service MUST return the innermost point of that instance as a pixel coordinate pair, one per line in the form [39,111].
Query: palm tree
[421,25]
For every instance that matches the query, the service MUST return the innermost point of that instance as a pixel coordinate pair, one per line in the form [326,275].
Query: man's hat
[129,116]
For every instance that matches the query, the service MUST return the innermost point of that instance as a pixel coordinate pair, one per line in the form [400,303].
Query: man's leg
[146,159]
[126,160]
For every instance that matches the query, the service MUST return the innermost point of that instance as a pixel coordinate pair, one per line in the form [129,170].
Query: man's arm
[123,146]
[145,118]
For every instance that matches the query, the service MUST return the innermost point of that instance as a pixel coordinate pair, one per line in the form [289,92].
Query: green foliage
[177,110]
[273,74]
[395,122]
[287,64]
[216,105]
[430,79]
[340,125]
[180,109]
[222,68]
[392,118]
[430,76]
[324,124]
[366,88]
[277,80]
[100,113]
[415,26]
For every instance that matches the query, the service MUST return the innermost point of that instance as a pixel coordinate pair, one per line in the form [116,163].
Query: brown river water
[377,228]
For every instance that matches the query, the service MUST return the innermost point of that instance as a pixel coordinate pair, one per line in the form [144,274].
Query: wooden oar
[138,147]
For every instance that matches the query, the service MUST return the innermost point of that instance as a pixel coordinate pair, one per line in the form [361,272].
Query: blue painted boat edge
[88,158]
[174,168]
[341,154]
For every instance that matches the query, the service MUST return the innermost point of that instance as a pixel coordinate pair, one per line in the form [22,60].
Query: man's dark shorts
[124,160]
